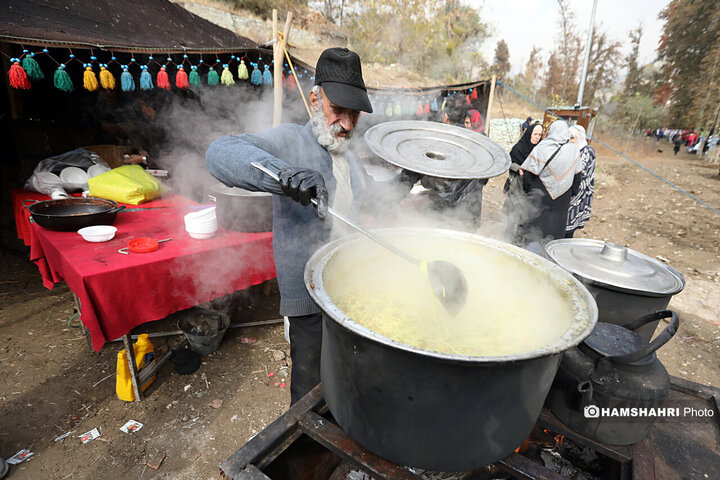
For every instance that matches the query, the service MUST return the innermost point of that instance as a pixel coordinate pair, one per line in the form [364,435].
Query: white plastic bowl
[74,175]
[96,170]
[200,221]
[201,214]
[98,233]
[204,227]
[202,236]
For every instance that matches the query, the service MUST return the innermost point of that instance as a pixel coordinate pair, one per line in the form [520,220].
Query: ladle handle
[659,341]
[345,220]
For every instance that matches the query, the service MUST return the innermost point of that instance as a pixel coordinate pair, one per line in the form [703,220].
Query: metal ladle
[447,280]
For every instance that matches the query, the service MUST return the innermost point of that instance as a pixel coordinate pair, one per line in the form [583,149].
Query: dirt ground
[52,384]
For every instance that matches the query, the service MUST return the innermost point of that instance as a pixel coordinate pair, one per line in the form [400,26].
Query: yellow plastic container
[145,360]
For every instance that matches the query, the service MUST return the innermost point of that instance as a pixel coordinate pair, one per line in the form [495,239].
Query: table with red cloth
[117,292]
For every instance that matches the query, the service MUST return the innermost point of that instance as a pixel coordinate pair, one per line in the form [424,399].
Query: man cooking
[312,161]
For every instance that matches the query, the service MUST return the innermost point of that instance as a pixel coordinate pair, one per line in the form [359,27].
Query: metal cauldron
[625,284]
[242,210]
[439,411]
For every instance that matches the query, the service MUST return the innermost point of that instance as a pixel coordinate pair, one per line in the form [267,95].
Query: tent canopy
[123,25]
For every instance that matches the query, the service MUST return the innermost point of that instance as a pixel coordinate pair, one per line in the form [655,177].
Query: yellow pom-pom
[107,80]
[89,80]
[227,77]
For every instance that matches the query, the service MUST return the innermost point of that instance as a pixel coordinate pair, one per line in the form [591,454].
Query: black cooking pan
[70,214]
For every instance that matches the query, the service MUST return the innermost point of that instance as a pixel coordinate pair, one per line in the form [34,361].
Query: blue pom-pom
[93,58]
[45,50]
[127,82]
[201,61]
[267,76]
[113,58]
[256,76]
[150,57]
[72,56]
[133,59]
[146,80]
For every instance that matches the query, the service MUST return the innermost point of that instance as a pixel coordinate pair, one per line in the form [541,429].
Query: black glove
[302,184]
[408,177]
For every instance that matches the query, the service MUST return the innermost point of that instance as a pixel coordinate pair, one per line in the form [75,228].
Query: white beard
[326,135]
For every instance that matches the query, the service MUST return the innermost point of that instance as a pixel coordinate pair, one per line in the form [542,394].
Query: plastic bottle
[145,360]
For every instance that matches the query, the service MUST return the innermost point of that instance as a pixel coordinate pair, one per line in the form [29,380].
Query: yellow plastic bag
[127,184]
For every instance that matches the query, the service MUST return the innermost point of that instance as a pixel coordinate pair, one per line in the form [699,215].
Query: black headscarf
[523,147]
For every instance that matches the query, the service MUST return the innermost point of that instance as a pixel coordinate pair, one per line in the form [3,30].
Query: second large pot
[626,284]
[424,408]
[242,210]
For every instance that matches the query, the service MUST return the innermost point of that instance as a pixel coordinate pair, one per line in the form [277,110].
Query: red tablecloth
[118,292]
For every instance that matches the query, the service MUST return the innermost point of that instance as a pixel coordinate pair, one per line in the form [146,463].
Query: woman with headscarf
[520,151]
[551,176]
[514,205]
[581,203]
[474,121]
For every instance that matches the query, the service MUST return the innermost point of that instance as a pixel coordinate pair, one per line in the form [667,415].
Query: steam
[193,122]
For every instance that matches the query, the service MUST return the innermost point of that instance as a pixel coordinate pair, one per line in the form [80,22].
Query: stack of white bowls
[201,224]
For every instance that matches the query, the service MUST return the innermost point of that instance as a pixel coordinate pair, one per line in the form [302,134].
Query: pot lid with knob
[615,266]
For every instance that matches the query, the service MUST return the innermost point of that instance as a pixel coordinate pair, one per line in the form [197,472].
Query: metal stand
[305,442]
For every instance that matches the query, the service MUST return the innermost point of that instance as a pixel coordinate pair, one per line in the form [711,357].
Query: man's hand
[303,184]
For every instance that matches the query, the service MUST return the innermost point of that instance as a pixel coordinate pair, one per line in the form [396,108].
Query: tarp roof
[123,25]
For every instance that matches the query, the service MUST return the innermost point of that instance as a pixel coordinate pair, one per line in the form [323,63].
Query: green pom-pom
[194,78]
[62,80]
[32,68]
[213,77]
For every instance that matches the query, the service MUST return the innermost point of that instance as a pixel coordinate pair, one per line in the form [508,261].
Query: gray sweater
[297,230]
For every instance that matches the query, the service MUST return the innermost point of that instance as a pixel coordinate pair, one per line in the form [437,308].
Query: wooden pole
[279,60]
[277,72]
[488,116]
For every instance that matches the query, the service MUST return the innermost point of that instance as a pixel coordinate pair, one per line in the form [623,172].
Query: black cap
[340,74]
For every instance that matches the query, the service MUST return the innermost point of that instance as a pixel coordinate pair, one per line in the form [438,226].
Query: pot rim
[577,332]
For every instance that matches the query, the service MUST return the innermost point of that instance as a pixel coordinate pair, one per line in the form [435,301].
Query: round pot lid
[615,266]
[437,149]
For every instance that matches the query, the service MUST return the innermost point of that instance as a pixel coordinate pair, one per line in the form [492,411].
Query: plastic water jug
[145,360]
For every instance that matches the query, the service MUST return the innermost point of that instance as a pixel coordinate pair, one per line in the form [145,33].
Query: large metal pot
[626,284]
[70,214]
[242,210]
[422,408]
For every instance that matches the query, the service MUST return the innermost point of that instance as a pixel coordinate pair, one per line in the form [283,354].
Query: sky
[524,23]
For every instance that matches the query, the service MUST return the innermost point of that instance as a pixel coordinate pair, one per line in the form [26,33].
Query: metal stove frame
[326,445]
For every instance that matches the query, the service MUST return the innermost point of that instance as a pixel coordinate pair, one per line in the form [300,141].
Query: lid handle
[614,252]
[659,341]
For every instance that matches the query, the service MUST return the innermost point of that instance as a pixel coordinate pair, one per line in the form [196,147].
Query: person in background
[314,161]
[526,124]
[677,142]
[581,202]
[521,150]
[474,121]
[551,175]
[514,205]
[460,197]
